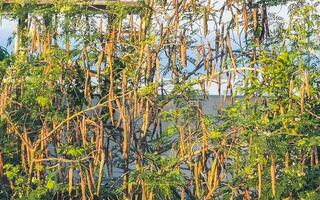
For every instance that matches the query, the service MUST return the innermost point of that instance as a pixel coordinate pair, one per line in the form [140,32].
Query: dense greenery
[108,102]
[3,53]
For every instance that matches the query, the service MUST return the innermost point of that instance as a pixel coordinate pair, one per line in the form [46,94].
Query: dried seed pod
[307,83]
[68,117]
[212,173]
[255,19]
[291,88]
[89,183]
[182,141]
[196,177]
[245,17]
[35,38]
[246,195]
[260,179]
[83,186]
[102,161]
[282,116]
[1,164]
[302,93]
[70,180]
[158,75]
[233,60]
[183,52]
[273,175]
[205,21]
[236,21]
[229,3]
[287,160]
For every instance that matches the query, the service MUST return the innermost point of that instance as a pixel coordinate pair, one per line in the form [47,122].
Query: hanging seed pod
[49,41]
[217,43]
[124,83]
[245,17]
[184,4]
[307,83]
[282,116]
[23,157]
[102,160]
[204,141]
[222,38]
[287,160]
[219,84]
[246,195]
[302,93]
[236,21]
[148,63]
[273,175]
[92,169]
[205,21]
[158,75]
[212,73]
[196,177]
[70,180]
[291,88]
[89,184]
[110,107]
[229,3]
[182,141]
[255,19]
[34,38]
[189,147]
[234,64]
[83,186]
[183,52]
[191,3]
[83,130]
[68,117]
[212,173]
[145,124]
[216,177]
[260,180]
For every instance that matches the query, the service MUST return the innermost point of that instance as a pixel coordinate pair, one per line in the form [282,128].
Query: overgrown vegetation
[107,102]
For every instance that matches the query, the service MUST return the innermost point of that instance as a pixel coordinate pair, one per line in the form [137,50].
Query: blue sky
[7,28]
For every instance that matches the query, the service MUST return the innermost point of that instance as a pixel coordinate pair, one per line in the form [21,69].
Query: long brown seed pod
[1,165]
[102,160]
[287,160]
[307,83]
[302,93]
[273,175]
[233,60]
[245,17]
[182,141]
[260,180]
[196,177]
[70,184]
[205,21]
[183,52]
[83,186]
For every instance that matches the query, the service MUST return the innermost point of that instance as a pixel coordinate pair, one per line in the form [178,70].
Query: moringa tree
[103,102]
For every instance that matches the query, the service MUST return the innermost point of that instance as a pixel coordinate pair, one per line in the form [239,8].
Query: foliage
[110,101]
